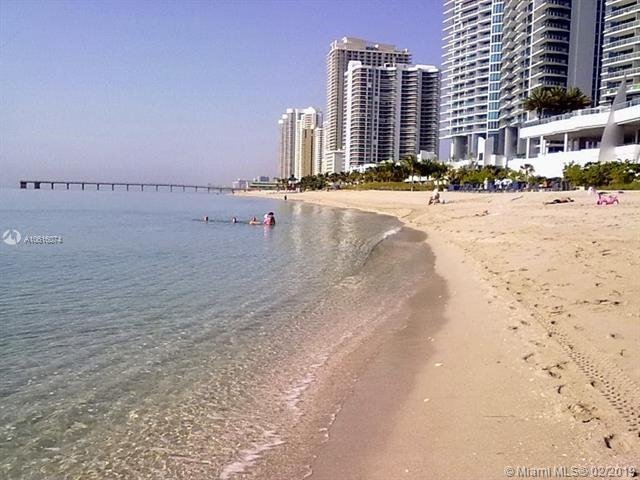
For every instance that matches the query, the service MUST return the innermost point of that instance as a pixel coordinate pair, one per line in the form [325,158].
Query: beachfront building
[318,148]
[300,142]
[308,123]
[496,52]
[340,54]
[577,137]
[333,162]
[467,40]
[287,145]
[240,183]
[391,111]
[620,49]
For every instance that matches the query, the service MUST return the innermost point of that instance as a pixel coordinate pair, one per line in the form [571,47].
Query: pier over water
[138,186]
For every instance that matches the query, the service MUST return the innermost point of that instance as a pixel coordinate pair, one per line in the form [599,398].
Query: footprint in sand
[554,370]
[583,413]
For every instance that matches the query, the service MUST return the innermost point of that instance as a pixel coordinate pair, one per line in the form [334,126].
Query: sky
[180,91]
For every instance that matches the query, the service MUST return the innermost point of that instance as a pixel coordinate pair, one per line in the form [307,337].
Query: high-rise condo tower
[620,49]
[496,52]
[390,112]
[341,53]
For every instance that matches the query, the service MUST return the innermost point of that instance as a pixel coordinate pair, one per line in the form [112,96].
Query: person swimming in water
[254,221]
[269,219]
[205,219]
[234,220]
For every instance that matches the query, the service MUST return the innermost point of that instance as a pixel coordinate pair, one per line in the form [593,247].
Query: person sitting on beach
[254,221]
[269,219]
[435,198]
[560,200]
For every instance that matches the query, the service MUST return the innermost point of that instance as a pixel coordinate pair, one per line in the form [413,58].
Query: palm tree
[556,99]
[384,171]
[539,99]
[576,99]
[410,162]
[528,169]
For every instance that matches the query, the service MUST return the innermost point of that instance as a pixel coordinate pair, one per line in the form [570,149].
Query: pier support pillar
[156,188]
[67,186]
[83,186]
[127,187]
[23,184]
[141,188]
[171,188]
[183,189]
[97,186]
[36,185]
[51,185]
[113,187]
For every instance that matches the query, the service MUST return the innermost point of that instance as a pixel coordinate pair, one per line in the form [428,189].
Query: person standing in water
[269,219]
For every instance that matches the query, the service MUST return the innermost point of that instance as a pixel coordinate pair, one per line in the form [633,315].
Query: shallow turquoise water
[148,342]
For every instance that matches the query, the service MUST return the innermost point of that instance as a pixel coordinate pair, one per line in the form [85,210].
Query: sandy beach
[535,364]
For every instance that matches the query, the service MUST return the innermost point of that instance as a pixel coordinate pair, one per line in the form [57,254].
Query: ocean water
[144,343]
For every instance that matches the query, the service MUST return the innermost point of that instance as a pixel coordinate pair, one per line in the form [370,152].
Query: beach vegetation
[397,186]
[412,174]
[621,175]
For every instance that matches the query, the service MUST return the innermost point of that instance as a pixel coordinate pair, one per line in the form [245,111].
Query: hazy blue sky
[179,91]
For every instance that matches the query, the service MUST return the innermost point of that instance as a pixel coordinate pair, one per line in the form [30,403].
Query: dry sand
[537,363]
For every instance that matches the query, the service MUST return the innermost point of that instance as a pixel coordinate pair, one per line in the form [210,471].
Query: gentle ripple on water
[149,344]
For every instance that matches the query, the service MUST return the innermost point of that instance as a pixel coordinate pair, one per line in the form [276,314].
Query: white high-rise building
[286,148]
[496,53]
[318,149]
[341,53]
[620,49]
[299,145]
[467,38]
[390,112]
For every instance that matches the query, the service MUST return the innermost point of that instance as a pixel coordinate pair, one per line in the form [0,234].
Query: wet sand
[534,361]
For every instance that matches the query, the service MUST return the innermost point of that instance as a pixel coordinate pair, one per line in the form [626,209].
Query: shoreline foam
[502,390]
